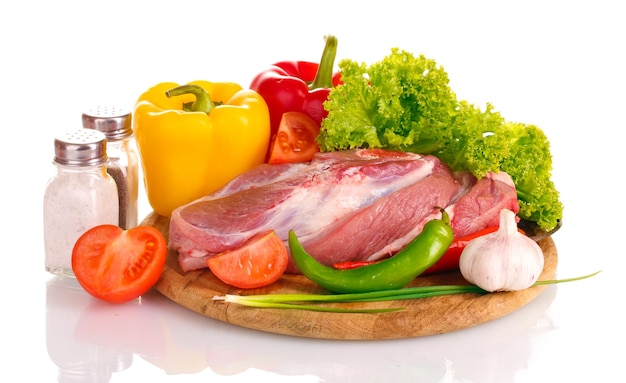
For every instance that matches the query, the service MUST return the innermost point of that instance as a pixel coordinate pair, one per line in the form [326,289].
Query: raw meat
[480,206]
[347,205]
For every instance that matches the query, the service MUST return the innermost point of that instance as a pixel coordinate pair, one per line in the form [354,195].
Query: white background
[556,64]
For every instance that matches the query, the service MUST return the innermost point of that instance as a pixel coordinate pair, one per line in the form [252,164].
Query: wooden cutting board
[195,290]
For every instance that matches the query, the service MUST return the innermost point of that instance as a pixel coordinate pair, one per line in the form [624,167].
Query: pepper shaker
[123,162]
[80,196]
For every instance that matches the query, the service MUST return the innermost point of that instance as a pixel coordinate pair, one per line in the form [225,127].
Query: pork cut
[344,206]
[480,206]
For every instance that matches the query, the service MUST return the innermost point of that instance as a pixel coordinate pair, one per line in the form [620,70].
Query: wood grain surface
[195,290]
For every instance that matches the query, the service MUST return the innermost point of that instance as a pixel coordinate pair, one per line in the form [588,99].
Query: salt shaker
[123,162]
[80,196]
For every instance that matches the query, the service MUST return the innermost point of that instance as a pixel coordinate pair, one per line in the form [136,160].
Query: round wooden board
[195,290]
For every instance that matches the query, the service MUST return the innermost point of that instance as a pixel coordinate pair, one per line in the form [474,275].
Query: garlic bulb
[505,260]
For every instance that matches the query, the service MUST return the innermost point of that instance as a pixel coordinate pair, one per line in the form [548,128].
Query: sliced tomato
[260,261]
[295,140]
[118,265]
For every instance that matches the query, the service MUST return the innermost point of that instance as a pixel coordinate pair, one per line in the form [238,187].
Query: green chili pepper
[392,273]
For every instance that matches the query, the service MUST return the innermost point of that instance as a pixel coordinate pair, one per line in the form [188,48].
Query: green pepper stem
[444,215]
[324,76]
[203,101]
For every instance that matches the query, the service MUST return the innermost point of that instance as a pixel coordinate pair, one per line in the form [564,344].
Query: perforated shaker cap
[83,147]
[113,121]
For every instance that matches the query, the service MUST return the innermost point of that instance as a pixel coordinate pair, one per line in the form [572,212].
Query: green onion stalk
[296,301]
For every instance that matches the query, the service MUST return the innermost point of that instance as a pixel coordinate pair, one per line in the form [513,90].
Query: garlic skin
[505,260]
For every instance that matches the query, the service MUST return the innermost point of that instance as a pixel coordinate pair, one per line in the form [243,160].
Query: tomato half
[260,261]
[295,140]
[118,265]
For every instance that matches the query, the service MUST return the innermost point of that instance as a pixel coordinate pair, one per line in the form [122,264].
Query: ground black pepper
[122,190]
[122,165]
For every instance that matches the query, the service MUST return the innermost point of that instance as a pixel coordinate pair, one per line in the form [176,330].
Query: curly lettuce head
[396,103]
[404,102]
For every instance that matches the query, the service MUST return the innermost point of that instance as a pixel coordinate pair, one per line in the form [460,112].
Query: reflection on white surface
[78,361]
[91,341]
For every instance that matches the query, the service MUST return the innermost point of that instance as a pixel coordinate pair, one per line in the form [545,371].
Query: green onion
[246,301]
[293,301]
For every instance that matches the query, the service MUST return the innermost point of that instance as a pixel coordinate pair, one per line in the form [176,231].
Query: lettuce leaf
[404,102]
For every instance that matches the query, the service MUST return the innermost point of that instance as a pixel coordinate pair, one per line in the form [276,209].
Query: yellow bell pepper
[193,139]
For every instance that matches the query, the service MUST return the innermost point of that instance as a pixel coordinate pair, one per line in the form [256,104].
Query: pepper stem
[444,215]
[324,76]
[203,101]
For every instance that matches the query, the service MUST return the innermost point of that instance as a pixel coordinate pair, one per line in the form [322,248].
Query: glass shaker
[80,196]
[123,162]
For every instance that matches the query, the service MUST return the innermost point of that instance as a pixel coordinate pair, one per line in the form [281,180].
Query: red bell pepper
[449,261]
[298,86]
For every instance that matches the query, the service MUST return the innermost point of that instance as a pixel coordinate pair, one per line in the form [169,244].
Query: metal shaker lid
[113,121]
[83,147]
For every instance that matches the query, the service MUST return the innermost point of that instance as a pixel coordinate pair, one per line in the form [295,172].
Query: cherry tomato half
[118,265]
[260,261]
[295,140]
